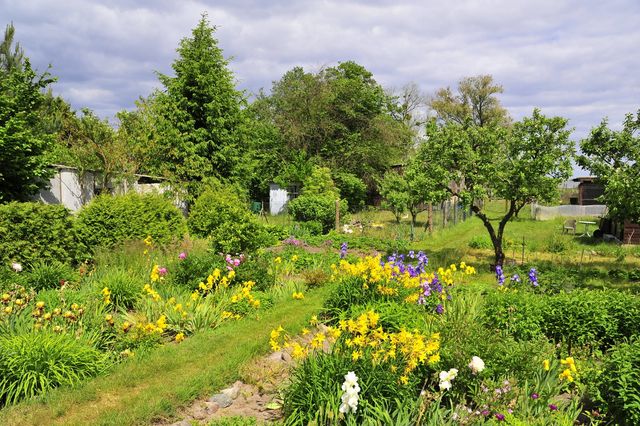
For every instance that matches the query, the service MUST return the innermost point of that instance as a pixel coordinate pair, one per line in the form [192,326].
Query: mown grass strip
[154,387]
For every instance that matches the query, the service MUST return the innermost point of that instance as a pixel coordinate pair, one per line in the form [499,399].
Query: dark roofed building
[589,189]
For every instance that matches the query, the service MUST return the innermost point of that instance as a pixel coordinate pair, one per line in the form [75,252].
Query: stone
[276,356]
[231,392]
[200,413]
[222,400]
[212,407]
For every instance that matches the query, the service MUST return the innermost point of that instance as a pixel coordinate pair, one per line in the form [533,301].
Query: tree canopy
[199,113]
[520,164]
[474,103]
[613,156]
[24,141]
[339,117]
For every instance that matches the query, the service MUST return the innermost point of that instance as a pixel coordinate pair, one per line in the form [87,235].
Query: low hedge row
[593,318]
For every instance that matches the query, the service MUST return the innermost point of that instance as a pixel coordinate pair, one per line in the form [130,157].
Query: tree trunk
[413,225]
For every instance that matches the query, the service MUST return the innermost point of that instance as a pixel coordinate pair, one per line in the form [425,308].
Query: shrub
[34,232]
[352,189]
[44,276]
[577,318]
[195,268]
[33,363]
[256,268]
[222,216]
[620,383]
[109,220]
[317,208]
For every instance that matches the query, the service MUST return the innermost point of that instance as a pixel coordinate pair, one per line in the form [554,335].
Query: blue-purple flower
[499,275]
[533,277]
[343,250]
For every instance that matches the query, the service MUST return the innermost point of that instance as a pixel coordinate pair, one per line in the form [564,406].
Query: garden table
[586,224]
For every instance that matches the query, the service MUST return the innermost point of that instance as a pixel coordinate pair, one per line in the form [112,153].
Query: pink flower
[162,271]
[182,256]
[236,262]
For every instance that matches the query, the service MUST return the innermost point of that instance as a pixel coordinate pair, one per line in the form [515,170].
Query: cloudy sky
[576,58]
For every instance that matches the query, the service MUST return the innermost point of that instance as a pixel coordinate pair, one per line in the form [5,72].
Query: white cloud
[576,58]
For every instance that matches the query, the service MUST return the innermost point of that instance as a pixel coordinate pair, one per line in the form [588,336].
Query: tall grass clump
[35,362]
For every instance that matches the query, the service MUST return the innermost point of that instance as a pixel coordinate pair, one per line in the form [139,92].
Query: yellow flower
[278,259]
[356,355]
[298,351]
[294,257]
[545,364]
[298,295]
[40,305]
[179,337]
[314,320]
[404,380]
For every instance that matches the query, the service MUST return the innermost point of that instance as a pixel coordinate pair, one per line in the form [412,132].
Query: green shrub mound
[316,208]
[33,363]
[34,232]
[224,218]
[109,220]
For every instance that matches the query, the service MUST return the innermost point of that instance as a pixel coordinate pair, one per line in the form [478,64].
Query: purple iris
[500,417]
[499,275]
[439,309]
[533,277]
[515,278]
[343,250]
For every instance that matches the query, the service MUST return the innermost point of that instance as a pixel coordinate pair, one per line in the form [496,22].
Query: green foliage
[339,117]
[480,242]
[24,145]
[393,189]
[125,287]
[613,157]
[257,268]
[34,232]
[591,318]
[619,386]
[525,162]
[195,268]
[199,113]
[316,382]
[220,215]
[519,315]
[314,208]
[475,103]
[33,363]
[49,275]
[109,220]
[318,200]
[352,189]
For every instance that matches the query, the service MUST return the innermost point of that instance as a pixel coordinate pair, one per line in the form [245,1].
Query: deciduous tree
[613,156]
[524,163]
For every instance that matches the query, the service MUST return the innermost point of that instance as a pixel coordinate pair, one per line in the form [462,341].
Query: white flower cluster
[16,267]
[350,396]
[476,365]
[446,377]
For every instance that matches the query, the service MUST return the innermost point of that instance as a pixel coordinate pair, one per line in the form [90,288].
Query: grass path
[154,387]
